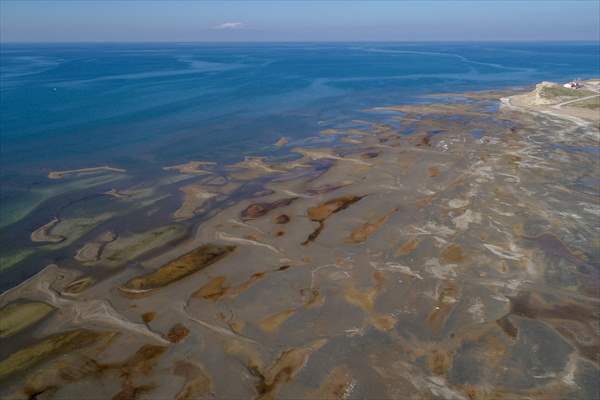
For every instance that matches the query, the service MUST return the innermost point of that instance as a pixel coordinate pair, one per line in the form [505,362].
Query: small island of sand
[192,167]
[83,171]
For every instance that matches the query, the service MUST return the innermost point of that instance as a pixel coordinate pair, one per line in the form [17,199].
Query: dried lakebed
[439,264]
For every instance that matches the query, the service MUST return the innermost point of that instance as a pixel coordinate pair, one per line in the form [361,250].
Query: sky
[288,20]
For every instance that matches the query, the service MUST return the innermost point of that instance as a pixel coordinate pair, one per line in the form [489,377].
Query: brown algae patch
[433,172]
[15,317]
[282,219]
[323,211]
[257,210]
[141,363]
[507,326]
[148,317]
[179,268]
[453,254]
[439,362]
[177,333]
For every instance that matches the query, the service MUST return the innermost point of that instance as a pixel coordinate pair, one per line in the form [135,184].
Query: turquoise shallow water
[144,106]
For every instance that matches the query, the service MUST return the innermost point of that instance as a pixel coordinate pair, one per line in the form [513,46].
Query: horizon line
[304,41]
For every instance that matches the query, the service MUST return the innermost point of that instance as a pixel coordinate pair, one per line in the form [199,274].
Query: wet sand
[453,255]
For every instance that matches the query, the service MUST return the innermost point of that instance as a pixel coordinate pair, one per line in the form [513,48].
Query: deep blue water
[142,106]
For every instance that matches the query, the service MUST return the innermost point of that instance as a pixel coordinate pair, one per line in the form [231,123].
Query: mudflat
[453,254]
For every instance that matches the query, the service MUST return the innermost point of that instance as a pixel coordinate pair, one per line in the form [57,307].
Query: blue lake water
[141,106]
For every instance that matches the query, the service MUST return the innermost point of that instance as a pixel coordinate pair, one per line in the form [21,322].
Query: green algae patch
[17,316]
[127,248]
[9,260]
[47,348]
[177,269]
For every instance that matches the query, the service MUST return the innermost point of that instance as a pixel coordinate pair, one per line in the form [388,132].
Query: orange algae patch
[433,172]
[453,254]
[179,268]
[142,362]
[257,210]
[439,362]
[363,232]
[408,247]
[148,317]
[213,290]
[365,299]
[323,211]
[273,322]
[216,288]
[177,333]
[287,366]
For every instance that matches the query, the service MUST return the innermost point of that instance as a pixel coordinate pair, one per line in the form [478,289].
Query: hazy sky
[89,20]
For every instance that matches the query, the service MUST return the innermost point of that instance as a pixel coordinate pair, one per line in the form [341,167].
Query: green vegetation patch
[9,260]
[15,317]
[47,348]
[592,104]
[559,91]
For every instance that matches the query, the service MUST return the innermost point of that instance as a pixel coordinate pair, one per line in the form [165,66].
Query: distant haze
[129,21]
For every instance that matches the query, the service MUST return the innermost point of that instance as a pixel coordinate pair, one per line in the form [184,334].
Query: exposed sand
[42,234]
[192,167]
[559,106]
[83,171]
[282,141]
[194,197]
